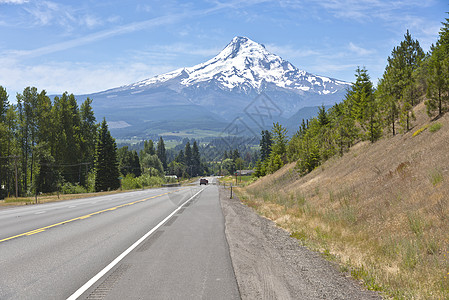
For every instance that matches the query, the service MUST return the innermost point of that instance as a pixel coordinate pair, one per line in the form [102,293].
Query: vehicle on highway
[204,181]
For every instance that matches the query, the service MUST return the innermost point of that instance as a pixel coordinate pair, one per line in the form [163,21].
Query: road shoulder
[269,264]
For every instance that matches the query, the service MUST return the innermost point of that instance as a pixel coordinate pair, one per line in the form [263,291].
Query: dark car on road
[204,181]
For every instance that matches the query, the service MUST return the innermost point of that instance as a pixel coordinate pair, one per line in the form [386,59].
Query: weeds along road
[166,243]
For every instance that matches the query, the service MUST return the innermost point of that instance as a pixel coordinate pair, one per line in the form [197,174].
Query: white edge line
[94,279]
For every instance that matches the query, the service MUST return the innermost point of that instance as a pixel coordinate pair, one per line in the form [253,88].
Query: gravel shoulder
[269,264]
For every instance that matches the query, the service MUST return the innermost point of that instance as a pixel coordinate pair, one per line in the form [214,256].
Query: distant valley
[244,84]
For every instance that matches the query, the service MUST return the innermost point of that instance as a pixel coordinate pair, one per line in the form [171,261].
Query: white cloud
[289,52]
[13,1]
[359,50]
[57,78]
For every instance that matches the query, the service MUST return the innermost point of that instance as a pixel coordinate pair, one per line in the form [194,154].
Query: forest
[49,146]
[367,112]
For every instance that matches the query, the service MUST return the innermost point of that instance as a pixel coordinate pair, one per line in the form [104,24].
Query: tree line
[45,143]
[55,145]
[367,112]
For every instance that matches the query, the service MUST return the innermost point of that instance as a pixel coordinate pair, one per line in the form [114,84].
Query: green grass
[435,127]
[436,177]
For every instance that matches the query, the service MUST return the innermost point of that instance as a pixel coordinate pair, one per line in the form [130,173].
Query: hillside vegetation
[381,210]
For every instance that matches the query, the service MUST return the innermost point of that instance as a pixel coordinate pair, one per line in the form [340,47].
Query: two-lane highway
[51,251]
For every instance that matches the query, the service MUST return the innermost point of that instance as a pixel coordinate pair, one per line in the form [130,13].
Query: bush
[70,188]
[131,183]
[435,127]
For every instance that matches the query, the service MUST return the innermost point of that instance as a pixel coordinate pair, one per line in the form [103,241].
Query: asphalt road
[57,250]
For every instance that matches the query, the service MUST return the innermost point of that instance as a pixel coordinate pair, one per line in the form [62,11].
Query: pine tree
[106,165]
[399,80]
[322,116]
[196,160]
[188,158]
[161,153]
[280,140]
[66,148]
[363,105]
[4,104]
[148,148]
[88,131]
[47,177]
[437,82]
[438,73]
[265,145]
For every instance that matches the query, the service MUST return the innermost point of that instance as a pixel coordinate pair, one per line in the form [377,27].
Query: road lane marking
[40,212]
[28,233]
[112,264]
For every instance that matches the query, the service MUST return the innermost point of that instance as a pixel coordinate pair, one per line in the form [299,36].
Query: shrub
[70,188]
[435,127]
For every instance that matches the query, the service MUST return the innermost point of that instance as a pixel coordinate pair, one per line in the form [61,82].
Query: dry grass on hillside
[382,209]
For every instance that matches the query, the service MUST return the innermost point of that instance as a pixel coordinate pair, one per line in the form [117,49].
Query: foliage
[265,145]
[438,73]
[161,153]
[398,87]
[129,162]
[106,165]
[435,127]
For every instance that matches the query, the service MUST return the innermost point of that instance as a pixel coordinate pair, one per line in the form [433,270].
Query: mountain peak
[241,46]
[246,65]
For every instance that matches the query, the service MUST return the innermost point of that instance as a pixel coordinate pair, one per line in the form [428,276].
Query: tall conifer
[106,165]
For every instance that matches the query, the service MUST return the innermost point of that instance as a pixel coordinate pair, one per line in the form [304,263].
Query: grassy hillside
[381,210]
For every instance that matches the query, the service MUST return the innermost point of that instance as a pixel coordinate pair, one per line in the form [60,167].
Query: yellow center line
[42,229]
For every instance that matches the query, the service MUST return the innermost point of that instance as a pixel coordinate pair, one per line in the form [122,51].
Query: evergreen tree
[67,136]
[265,145]
[235,155]
[106,165]
[363,105]
[196,160]
[438,73]
[322,116]
[148,148]
[4,104]
[47,177]
[188,158]
[128,162]
[161,152]
[88,131]
[280,140]
[398,84]
[180,157]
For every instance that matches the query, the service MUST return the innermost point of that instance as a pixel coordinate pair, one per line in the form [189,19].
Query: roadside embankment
[381,210]
[269,264]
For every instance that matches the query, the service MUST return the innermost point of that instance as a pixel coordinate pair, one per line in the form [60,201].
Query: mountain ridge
[224,85]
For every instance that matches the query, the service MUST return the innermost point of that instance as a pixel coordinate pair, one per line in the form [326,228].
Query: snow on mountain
[244,64]
[216,92]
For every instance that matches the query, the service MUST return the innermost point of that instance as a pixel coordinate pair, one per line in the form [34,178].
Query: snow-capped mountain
[219,89]
[244,64]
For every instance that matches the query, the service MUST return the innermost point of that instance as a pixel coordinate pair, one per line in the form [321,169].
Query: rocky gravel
[269,264]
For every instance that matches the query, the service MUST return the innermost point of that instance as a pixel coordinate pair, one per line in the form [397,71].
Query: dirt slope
[269,264]
[382,209]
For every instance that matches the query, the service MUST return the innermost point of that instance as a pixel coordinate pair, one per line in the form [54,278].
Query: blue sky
[86,46]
